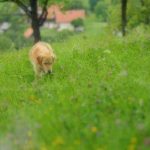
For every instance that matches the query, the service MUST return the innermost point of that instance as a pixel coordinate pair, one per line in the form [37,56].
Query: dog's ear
[39,59]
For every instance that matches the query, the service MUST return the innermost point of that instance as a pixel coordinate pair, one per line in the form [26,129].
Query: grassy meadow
[98,97]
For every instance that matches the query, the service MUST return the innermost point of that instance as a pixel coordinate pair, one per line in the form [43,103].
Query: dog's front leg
[38,72]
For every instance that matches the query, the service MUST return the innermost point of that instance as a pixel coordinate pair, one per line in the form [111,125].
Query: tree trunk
[35,21]
[124,16]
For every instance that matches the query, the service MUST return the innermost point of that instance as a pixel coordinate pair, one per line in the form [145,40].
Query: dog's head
[46,63]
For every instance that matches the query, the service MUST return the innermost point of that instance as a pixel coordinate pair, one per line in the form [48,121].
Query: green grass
[97,98]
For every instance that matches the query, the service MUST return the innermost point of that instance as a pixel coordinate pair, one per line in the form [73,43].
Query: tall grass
[97,98]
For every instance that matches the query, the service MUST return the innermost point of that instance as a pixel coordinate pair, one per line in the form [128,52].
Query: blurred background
[65,19]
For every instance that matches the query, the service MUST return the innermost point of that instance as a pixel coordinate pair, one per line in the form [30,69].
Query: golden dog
[42,58]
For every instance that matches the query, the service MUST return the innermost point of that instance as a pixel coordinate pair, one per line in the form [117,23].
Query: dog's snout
[49,71]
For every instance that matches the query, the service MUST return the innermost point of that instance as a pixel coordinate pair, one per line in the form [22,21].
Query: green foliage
[6,44]
[15,34]
[114,2]
[145,12]
[92,4]
[78,23]
[114,17]
[19,40]
[138,12]
[74,4]
[6,14]
[101,10]
[54,36]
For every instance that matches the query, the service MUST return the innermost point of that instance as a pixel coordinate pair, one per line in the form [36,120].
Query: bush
[18,39]
[6,44]
[54,36]
[77,23]
[114,17]
[101,10]
[93,4]
[76,4]
[137,14]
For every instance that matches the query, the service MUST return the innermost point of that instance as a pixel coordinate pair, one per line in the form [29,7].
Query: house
[59,19]
[62,19]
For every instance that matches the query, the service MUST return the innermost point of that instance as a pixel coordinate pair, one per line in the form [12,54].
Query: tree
[75,4]
[30,7]
[145,11]
[93,4]
[77,23]
[124,16]
[101,10]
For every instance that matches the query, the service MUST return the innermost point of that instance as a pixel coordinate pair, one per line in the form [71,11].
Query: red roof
[54,12]
[69,16]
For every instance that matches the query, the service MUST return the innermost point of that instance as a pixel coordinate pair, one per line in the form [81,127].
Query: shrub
[6,44]
[54,36]
[76,4]
[114,17]
[18,39]
[77,23]
[101,10]
[93,4]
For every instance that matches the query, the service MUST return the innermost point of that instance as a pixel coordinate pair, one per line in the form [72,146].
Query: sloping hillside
[96,99]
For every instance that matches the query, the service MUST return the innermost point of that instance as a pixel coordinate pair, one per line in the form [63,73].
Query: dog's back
[39,49]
